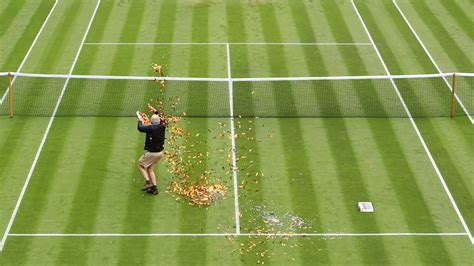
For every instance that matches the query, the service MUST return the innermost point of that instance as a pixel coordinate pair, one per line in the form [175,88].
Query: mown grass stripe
[73,98]
[167,21]
[463,133]
[237,33]
[445,40]
[102,20]
[99,149]
[457,183]
[13,161]
[16,159]
[24,39]
[387,143]
[199,62]
[197,99]
[30,90]
[417,214]
[192,218]
[316,67]
[414,213]
[84,209]
[457,13]
[353,189]
[397,24]
[40,188]
[133,211]
[8,144]
[9,14]
[251,196]
[340,30]
[130,31]
[164,33]
[422,99]
[296,156]
[96,33]
[57,42]
[466,134]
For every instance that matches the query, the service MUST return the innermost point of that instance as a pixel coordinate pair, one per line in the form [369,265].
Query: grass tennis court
[303,158]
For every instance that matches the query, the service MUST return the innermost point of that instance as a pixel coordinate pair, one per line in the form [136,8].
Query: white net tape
[465,74]
[236,79]
[426,95]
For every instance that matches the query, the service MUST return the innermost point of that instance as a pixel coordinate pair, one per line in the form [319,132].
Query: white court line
[435,166]
[232,137]
[465,74]
[45,136]
[240,235]
[432,60]
[30,49]
[234,43]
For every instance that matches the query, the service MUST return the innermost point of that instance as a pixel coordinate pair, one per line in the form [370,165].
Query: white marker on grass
[365,206]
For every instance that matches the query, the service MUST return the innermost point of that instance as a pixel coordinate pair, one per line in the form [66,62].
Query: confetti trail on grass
[198,187]
[264,221]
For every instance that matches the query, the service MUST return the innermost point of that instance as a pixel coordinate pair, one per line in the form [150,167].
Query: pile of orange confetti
[200,195]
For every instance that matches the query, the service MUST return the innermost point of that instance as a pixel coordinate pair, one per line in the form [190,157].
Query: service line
[233,43]
[232,137]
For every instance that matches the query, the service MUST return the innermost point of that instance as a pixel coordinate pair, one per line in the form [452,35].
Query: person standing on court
[154,146]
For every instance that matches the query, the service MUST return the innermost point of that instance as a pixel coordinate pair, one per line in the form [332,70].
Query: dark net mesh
[427,97]
[3,89]
[321,98]
[465,93]
[424,97]
[111,97]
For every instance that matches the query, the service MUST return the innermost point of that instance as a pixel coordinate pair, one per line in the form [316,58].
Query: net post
[10,93]
[453,95]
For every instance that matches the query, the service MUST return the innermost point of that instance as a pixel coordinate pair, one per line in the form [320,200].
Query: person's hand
[144,119]
[163,119]
[151,108]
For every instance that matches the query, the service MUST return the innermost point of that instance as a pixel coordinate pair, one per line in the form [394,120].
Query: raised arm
[143,128]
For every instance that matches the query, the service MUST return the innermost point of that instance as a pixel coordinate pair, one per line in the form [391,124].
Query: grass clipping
[189,179]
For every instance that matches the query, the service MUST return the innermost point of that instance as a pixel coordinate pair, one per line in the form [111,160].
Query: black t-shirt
[155,136]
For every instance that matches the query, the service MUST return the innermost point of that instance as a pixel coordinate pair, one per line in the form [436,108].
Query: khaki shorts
[150,158]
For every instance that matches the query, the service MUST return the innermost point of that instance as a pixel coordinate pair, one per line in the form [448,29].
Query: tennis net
[352,96]
[465,91]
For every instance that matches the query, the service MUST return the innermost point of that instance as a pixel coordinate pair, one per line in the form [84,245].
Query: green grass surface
[86,182]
